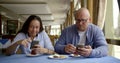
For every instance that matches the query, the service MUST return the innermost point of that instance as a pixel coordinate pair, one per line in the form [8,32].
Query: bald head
[82,17]
[82,11]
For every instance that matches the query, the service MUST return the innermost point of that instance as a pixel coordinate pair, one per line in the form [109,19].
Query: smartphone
[79,46]
[34,42]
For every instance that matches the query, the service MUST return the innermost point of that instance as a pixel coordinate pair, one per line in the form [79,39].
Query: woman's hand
[40,49]
[24,42]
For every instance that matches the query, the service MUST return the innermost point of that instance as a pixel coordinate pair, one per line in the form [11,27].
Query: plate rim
[74,56]
[31,55]
[51,57]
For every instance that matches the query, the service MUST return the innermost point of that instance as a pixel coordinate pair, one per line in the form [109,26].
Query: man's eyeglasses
[81,20]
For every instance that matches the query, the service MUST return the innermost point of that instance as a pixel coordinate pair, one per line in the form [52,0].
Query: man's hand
[85,51]
[70,48]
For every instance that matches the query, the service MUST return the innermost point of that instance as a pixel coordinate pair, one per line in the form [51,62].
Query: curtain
[99,10]
[95,11]
[101,13]
[119,4]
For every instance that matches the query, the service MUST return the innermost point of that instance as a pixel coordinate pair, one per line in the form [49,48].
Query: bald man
[82,33]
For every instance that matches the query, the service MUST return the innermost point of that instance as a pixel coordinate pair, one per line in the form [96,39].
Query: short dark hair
[27,23]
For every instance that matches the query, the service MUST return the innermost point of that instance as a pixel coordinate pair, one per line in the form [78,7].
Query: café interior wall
[10,15]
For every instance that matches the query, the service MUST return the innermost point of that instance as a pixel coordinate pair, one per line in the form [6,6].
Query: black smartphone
[79,46]
[34,42]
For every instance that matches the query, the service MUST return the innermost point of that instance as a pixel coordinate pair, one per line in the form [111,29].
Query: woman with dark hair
[32,30]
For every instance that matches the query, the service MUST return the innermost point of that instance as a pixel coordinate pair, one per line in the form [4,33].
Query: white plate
[31,55]
[59,57]
[73,55]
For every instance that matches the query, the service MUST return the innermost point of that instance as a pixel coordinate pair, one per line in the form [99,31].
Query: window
[116,19]
[112,25]
[55,30]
